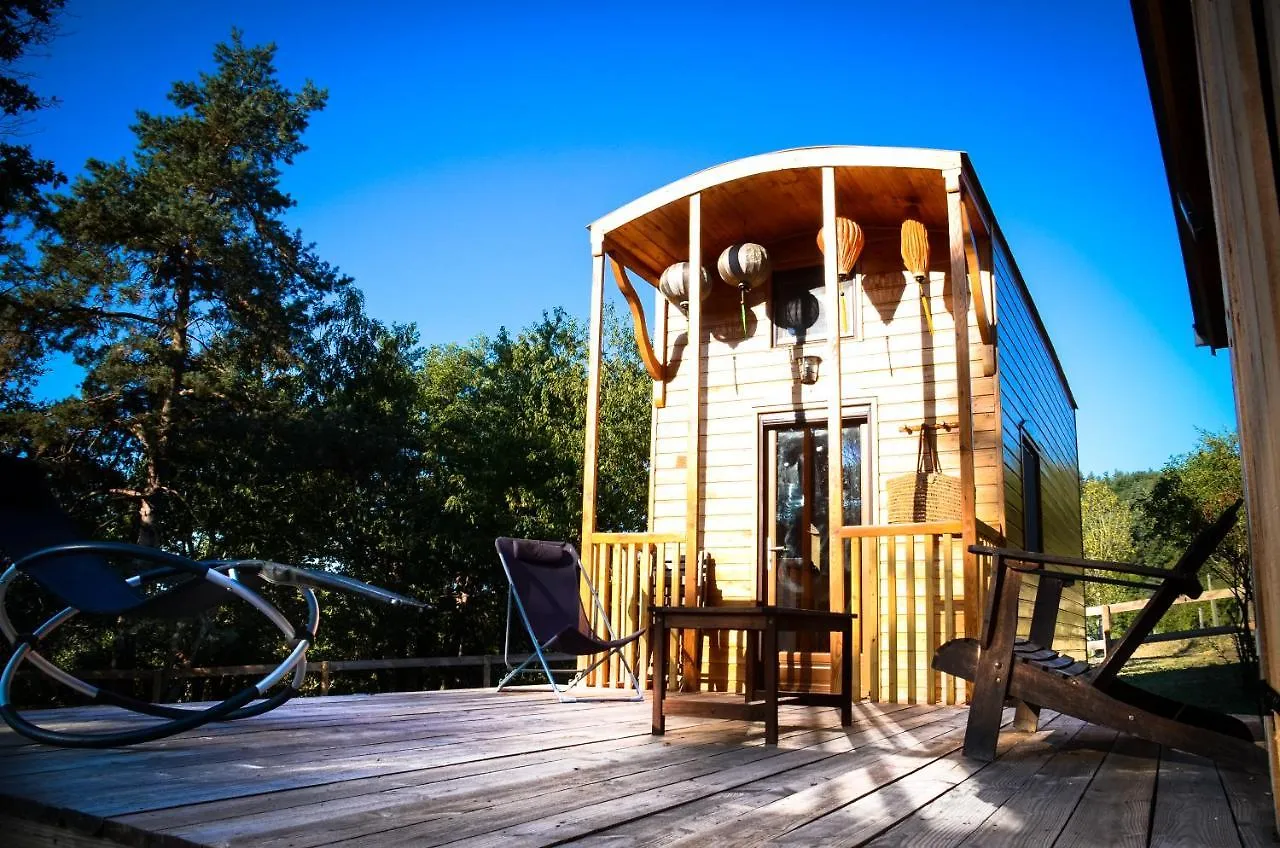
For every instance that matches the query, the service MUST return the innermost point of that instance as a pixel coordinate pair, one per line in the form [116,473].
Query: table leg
[771,680]
[846,676]
[751,656]
[660,648]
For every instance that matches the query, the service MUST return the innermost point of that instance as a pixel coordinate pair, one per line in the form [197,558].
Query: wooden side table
[768,621]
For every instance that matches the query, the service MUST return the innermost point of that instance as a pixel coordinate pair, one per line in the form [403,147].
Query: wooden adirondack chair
[1033,675]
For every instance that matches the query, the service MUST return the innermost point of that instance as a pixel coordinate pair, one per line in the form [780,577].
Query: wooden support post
[964,398]
[693,462]
[591,446]
[770,639]
[661,646]
[835,441]
[591,438]
[1242,173]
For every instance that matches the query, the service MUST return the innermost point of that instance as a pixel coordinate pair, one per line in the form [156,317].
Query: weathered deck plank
[475,768]
[1191,805]
[1116,808]
[950,819]
[1036,814]
[906,727]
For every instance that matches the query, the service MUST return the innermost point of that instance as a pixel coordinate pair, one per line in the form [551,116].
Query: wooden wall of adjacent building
[1035,403]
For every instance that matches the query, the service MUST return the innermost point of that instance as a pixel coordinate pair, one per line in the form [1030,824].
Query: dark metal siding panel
[1034,400]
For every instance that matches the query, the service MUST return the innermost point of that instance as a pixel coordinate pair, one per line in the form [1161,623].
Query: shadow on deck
[478,768]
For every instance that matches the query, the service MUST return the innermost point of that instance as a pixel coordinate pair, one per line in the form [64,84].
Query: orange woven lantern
[915,256]
[849,243]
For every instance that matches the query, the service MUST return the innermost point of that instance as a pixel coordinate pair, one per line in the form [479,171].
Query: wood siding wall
[1035,402]
[893,367]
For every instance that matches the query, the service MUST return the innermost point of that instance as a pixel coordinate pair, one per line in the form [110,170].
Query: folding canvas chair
[38,540]
[543,579]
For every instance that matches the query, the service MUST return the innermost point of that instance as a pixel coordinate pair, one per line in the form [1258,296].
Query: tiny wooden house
[937,364]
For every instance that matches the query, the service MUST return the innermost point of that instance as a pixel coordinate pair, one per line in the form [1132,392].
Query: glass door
[798,572]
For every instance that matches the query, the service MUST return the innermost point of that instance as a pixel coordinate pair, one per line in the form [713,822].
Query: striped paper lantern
[745,266]
[915,249]
[849,244]
[674,285]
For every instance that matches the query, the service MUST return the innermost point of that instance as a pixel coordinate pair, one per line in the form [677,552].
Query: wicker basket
[926,495]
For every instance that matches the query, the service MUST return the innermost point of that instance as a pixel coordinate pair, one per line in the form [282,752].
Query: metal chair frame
[230,575]
[539,648]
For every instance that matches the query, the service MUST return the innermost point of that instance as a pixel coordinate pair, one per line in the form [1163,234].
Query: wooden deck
[479,768]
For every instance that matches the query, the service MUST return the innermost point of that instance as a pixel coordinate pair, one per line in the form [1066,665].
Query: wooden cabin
[750,381]
[1213,70]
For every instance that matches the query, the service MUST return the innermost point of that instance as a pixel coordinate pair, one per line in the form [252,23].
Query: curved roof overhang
[776,199]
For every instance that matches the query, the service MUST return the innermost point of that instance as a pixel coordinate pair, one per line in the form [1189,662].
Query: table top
[753,617]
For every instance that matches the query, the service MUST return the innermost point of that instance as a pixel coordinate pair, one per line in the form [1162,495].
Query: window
[799,309]
[1032,521]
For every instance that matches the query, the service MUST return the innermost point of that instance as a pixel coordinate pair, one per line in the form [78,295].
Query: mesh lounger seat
[39,541]
[544,584]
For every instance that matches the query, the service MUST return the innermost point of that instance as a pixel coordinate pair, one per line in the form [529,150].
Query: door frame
[816,413]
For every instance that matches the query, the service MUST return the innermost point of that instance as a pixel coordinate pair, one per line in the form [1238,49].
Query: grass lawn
[1204,672]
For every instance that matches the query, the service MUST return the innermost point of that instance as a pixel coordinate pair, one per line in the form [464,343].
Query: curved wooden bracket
[656,369]
[976,291]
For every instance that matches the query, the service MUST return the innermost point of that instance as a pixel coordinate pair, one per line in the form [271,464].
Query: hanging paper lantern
[745,266]
[915,256]
[915,249]
[849,242]
[798,312]
[674,285]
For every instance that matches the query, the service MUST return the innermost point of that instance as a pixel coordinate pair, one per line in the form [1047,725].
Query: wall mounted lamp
[808,369]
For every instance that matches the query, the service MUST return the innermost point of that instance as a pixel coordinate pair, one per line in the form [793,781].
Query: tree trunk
[148,527]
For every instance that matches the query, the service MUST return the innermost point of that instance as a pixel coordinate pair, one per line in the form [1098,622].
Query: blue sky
[466,146]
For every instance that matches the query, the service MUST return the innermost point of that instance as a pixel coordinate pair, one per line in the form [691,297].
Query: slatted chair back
[1182,580]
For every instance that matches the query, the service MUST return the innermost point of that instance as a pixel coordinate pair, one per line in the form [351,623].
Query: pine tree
[174,282]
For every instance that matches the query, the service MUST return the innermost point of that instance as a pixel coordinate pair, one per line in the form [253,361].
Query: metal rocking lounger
[543,579]
[1034,675]
[38,540]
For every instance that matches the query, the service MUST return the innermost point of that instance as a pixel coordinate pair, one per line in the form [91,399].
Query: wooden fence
[1106,611]
[159,679]
[911,601]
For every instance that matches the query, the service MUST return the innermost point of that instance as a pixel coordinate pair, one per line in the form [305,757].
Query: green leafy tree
[505,418]
[1107,524]
[1190,493]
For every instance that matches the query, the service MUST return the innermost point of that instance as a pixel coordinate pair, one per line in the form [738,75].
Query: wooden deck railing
[912,600]
[631,572]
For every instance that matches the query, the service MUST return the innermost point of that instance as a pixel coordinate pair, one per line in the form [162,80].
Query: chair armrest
[1134,569]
